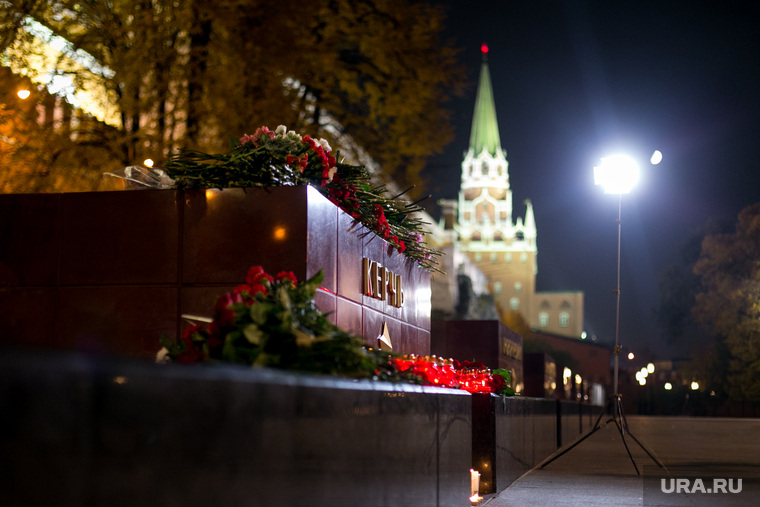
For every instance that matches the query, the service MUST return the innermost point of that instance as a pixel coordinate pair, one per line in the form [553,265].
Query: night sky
[574,81]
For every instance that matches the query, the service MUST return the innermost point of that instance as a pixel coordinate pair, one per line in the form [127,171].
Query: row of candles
[471,377]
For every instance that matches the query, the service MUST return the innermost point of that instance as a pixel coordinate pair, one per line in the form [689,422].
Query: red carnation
[498,384]
[242,288]
[258,288]
[223,316]
[192,353]
[285,276]
[188,333]
[256,275]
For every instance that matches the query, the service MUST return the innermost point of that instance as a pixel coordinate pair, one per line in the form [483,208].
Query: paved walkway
[599,472]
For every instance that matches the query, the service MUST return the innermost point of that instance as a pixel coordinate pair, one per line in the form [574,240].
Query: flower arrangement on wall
[282,157]
[272,321]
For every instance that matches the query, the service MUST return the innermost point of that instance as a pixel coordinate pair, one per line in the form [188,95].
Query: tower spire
[485,129]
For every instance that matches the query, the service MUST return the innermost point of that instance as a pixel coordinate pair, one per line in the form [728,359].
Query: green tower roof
[485,129]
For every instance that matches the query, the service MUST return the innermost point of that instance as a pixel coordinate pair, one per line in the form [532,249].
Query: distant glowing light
[616,174]
[280,233]
[484,48]
[64,70]
[694,386]
[650,368]
[584,335]
[668,386]
[23,94]
[148,162]
[630,355]
[656,157]
[578,379]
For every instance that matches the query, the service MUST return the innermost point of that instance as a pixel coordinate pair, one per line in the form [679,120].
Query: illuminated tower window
[497,287]
[514,303]
[518,286]
[564,319]
[543,319]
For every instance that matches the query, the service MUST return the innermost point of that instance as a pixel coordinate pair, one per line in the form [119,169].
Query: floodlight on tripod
[616,175]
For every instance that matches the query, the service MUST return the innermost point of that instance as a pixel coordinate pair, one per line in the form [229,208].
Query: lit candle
[474,482]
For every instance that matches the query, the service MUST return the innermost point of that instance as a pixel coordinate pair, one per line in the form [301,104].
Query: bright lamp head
[616,174]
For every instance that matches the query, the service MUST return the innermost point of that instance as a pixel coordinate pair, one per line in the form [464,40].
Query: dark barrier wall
[510,436]
[90,430]
[517,434]
[85,431]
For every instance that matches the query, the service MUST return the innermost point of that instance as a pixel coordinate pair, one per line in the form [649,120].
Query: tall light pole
[617,175]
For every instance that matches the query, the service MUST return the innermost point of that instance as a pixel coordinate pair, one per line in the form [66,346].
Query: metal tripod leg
[617,416]
[620,423]
[624,429]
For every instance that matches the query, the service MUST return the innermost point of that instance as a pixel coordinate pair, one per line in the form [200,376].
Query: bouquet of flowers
[272,321]
[282,157]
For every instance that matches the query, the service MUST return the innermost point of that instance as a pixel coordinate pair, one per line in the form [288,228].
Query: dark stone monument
[113,271]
